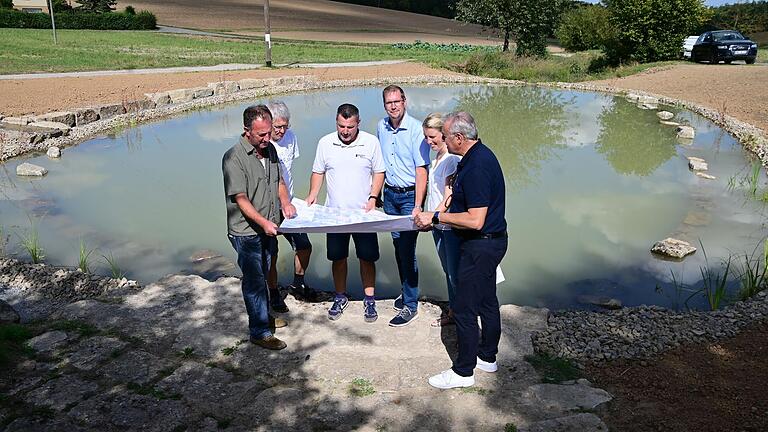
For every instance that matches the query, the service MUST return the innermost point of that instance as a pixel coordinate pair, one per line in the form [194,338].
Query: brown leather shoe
[270,342]
[277,322]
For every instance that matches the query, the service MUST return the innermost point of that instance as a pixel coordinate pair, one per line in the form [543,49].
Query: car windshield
[727,36]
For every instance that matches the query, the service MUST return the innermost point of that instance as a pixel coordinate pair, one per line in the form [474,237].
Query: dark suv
[723,45]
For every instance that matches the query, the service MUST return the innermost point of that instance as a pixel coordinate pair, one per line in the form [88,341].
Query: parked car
[723,45]
[688,46]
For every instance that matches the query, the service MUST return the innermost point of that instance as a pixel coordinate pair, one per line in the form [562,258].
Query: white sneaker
[486,366]
[449,379]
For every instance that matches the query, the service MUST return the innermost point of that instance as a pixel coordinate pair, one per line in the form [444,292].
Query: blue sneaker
[340,303]
[369,311]
[405,317]
[398,303]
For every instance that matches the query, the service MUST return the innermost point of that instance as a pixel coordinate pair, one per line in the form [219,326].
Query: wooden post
[267,36]
[53,21]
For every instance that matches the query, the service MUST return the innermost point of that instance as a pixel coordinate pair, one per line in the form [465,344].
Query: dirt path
[46,95]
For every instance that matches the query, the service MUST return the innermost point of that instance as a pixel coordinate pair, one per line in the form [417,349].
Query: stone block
[224,87]
[201,92]
[669,123]
[48,342]
[66,117]
[139,105]
[665,115]
[180,95]
[697,164]
[705,176]
[686,132]
[64,128]
[19,121]
[673,248]
[160,98]
[251,83]
[8,314]
[111,110]
[54,152]
[28,169]
[83,116]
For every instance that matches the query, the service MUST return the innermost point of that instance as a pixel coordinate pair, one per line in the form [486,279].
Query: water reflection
[593,182]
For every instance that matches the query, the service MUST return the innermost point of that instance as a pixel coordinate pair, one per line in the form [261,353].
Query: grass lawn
[28,50]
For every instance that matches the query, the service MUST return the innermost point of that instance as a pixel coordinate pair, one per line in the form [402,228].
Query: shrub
[98,6]
[130,10]
[143,20]
[651,30]
[7,4]
[61,6]
[584,28]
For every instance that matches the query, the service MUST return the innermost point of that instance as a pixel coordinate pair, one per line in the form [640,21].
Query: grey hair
[461,122]
[279,110]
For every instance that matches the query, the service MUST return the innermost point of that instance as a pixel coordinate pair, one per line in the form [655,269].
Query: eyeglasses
[280,127]
[394,102]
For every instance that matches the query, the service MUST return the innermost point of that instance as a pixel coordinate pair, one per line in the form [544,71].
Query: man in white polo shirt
[350,161]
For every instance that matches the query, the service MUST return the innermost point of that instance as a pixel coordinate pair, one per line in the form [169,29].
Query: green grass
[31,243]
[84,257]
[29,50]
[361,387]
[554,370]
[114,268]
[581,66]
[13,339]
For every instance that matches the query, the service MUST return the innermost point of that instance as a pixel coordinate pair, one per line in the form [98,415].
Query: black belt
[400,189]
[481,236]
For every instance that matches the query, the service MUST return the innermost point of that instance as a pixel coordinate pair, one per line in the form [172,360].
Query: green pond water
[592,182]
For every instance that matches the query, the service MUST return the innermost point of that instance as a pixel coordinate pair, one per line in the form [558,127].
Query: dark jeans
[402,203]
[447,245]
[476,296]
[254,256]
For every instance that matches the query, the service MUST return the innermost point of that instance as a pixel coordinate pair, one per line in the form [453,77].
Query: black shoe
[270,342]
[278,304]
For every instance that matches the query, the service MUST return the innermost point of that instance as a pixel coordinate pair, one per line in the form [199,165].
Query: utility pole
[53,21]
[267,36]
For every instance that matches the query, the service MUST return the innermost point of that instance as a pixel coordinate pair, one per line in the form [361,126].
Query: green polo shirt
[244,173]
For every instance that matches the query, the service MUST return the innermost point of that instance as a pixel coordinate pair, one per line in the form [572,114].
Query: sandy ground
[737,90]
[35,96]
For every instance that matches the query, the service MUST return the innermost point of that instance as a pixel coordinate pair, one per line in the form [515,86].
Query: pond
[592,182]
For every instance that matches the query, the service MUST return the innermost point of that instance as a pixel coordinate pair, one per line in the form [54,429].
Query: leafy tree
[6,4]
[584,28]
[98,6]
[529,22]
[745,17]
[651,30]
[61,6]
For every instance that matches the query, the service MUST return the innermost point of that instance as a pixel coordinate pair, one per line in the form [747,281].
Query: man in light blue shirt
[406,156]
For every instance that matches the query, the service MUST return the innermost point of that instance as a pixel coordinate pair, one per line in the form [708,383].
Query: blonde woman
[442,170]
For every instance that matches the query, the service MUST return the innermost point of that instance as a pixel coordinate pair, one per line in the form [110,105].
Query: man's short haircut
[279,110]
[433,121]
[461,123]
[255,112]
[347,111]
[391,89]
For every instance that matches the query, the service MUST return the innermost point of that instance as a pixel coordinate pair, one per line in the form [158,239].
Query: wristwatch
[436,218]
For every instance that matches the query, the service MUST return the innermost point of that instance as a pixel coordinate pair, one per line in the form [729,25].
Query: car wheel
[750,61]
[713,58]
[693,57]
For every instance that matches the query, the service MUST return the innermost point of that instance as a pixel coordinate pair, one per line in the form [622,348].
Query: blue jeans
[254,255]
[447,244]
[402,203]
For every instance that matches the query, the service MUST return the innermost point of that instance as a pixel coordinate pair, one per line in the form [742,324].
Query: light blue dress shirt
[403,150]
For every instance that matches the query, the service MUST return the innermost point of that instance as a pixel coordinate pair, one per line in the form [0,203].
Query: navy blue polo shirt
[480,183]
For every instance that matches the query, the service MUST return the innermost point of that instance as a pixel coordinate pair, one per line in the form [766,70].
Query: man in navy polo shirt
[476,214]
[406,155]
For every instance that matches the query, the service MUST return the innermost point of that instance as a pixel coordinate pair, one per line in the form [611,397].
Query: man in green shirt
[257,200]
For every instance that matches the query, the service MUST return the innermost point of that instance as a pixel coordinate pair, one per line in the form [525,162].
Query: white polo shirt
[287,150]
[348,168]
